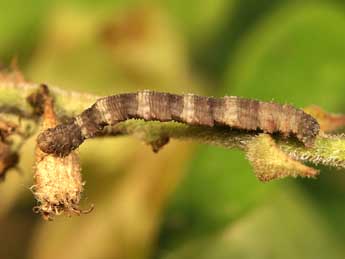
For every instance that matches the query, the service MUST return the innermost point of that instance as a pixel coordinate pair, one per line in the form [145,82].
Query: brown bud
[58,185]
[8,159]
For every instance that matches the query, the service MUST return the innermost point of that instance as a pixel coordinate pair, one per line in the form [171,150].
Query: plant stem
[327,150]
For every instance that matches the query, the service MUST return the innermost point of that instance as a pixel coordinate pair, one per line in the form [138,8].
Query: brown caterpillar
[235,112]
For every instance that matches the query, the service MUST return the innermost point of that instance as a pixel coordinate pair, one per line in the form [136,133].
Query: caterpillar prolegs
[232,111]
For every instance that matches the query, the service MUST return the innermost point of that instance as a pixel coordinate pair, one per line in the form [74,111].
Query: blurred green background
[189,201]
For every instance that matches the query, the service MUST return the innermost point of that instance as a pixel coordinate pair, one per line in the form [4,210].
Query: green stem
[328,149]
[13,98]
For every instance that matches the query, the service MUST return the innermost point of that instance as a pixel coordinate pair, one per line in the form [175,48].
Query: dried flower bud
[8,159]
[58,185]
[7,128]
[57,180]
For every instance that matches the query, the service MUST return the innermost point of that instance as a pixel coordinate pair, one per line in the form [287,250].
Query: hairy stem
[327,150]
[13,98]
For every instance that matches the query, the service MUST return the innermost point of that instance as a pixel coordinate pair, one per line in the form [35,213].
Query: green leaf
[199,19]
[219,187]
[19,27]
[287,226]
[296,56]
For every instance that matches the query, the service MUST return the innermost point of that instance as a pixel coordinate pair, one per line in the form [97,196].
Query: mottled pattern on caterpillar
[235,112]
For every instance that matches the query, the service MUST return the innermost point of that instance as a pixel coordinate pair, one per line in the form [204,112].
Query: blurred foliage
[180,204]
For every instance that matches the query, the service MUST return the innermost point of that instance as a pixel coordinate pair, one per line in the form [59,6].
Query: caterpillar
[231,111]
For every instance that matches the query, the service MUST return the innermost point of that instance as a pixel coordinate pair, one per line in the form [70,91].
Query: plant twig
[328,149]
[13,98]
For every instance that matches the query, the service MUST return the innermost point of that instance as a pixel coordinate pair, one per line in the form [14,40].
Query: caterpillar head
[308,129]
[60,140]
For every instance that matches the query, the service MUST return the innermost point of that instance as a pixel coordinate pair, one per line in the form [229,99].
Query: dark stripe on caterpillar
[235,112]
